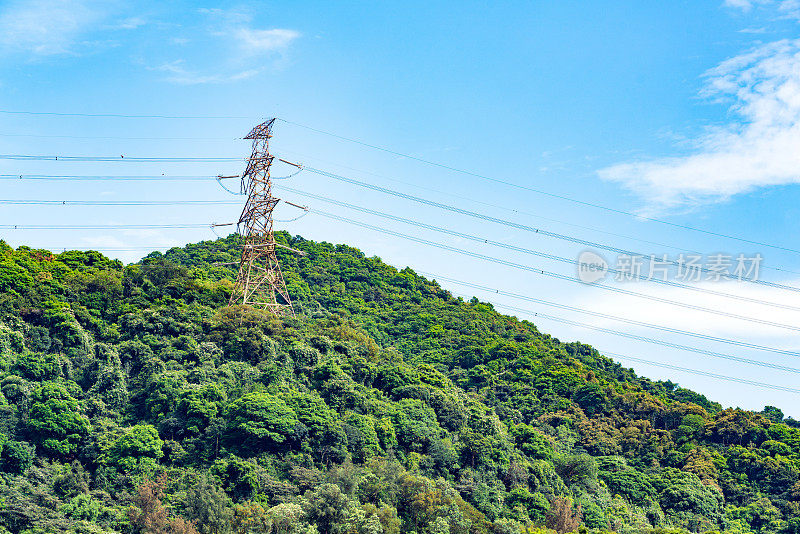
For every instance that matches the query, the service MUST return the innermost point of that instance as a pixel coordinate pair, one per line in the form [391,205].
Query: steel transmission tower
[260,281]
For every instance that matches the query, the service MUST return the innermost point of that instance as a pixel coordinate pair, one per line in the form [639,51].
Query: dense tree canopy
[133,399]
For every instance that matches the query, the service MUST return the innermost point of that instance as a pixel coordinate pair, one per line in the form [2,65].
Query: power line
[101,248]
[98,226]
[165,178]
[543,272]
[503,207]
[119,115]
[119,202]
[440,277]
[532,251]
[427,162]
[518,226]
[662,328]
[650,340]
[704,373]
[540,191]
[38,136]
[71,177]
[29,157]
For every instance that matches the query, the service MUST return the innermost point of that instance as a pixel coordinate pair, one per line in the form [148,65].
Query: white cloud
[265,41]
[791,8]
[787,8]
[180,75]
[45,27]
[242,50]
[744,5]
[759,149]
[131,23]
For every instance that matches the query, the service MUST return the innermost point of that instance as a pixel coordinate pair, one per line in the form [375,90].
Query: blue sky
[684,111]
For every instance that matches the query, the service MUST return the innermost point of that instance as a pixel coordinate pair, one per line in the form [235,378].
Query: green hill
[134,400]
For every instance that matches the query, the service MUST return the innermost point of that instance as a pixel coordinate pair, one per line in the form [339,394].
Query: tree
[684,492]
[415,423]
[200,406]
[324,430]
[261,421]
[136,446]
[561,517]
[17,456]
[328,508]
[251,518]
[207,507]
[591,398]
[532,442]
[289,518]
[56,422]
[577,469]
[148,514]
[773,414]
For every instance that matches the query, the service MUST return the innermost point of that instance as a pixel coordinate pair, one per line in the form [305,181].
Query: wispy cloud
[745,5]
[265,41]
[46,27]
[240,50]
[178,74]
[759,149]
[786,8]
[131,23]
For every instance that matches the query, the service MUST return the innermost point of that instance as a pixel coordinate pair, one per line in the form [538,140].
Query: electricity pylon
[260,281]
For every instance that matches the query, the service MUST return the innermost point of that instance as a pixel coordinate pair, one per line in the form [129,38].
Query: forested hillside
[135,400]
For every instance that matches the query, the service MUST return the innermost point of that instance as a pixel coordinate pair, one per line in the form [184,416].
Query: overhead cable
[550,274]
[540,191]
[537,253]
[518,226]
[705,337]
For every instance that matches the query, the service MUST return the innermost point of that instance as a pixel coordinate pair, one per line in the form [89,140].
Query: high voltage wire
[122,138]
[543,272]
[392,217]
[467,284]
[645,339]
[165,178]
[70,177]
[703,373]
[497,206]
[531,251]
[668,329]
[101,248]
[539,191]
[528,213]
[97,226]
[118,202]
[444,247]
[446,207]
[431,163]
[518,226]
[119,115]
[122,158]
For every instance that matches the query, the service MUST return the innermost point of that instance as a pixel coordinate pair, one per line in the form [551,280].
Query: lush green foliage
[133,399]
